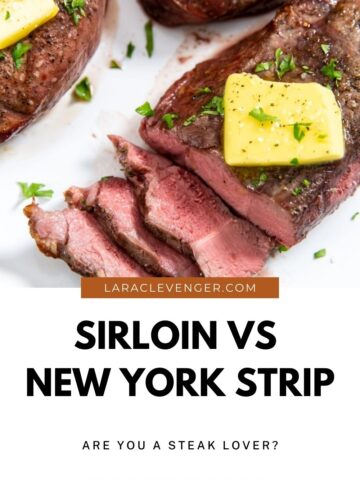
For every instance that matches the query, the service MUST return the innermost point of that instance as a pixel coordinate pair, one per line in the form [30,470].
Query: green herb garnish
[130,50]
[300,130]
[263,67]
[259,115]
[297,191]
[283,63]
[189,121]
[115,64]
[294,162]
[34,190]
[331,72]
[149,34]
[169,118]
[2,56]
[76,9]
[283,249]
[18,53]
[7,15]
[354,217]
[83,90]
[214,107]
[325,48]
[203,91]
[306,183]
[320,254]
[145,110]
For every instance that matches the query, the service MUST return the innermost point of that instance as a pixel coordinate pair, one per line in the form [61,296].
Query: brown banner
[180,288]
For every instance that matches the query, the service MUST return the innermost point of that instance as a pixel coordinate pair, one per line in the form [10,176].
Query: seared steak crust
[300,29]
[75,237]
[113,202]
[180,208]
[60,51]
[177,12]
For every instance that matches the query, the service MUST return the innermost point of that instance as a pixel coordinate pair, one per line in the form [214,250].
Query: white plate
[69,146]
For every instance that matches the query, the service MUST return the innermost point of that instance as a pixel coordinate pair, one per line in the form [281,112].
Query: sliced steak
[189,216]
[114,204]
[299,29]
[76,237]
[60,50]
[177,12]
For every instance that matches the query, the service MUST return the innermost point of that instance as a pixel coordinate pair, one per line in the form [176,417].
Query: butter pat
[280,124]
[18,18]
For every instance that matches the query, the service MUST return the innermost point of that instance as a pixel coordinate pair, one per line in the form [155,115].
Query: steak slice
[189,216]
[60,50]
[114,204]
[300,29]
[76,237]
[177,12]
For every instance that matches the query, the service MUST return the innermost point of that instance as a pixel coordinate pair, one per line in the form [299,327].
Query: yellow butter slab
[18,18]
[250,142]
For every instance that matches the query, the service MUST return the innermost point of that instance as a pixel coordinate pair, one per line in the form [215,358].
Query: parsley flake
[259,115]
[263,67]
[83,90]
[34,190]
[145,110]
[169,118]
[283,63]
[149,34]
[18,53]
[130,50]
[320,254]
[330,71]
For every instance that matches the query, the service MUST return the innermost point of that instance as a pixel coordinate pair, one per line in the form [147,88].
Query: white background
[69,146]
[41,438]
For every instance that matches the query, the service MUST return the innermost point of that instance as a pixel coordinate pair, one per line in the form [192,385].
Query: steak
[76,237]
[300,28]
[189,216]
[177,12]
[60,50]
[114,204]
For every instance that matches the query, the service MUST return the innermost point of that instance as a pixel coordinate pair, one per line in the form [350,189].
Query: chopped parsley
[294,162]
[306,183]
[203,91]
[320,254]
[18,53]
[355,216]
[283,63]
[297,191]
[34,190]
[2,56]
[115,64]
[83,90]
[300,130]
[149,35]
[258,182]
[259,115]
[189,121]
[7,15]
[330,71]
[130,50]
[214,107]
[325,48]
[169,118]
[263,67]
[76,9]
[283,249]
[145,110]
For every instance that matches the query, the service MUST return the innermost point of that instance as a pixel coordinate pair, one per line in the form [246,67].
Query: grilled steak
[60,51]
[177,12]
[115,206]
[189,216]
[75,237]
[300,29]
